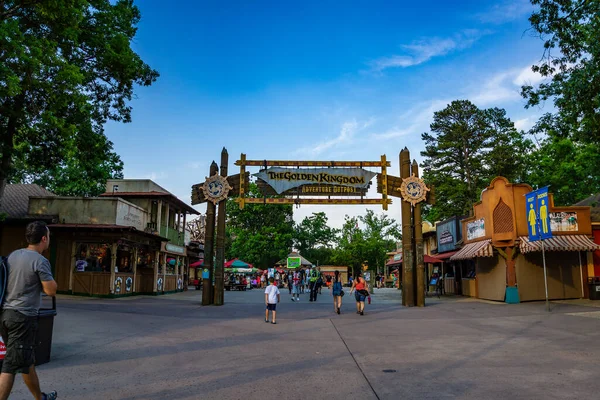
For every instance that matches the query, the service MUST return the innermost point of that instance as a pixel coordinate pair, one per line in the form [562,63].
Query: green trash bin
[43,339]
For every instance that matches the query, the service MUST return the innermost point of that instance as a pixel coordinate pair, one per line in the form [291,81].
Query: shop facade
[505,265]
[449,240]
[109,246]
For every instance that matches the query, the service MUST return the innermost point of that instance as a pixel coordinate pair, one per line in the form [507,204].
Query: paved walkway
[170,347]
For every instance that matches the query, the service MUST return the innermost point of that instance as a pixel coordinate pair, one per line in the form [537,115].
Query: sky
[315,80]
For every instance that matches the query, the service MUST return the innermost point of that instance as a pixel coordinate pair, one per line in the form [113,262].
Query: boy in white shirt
[271,299]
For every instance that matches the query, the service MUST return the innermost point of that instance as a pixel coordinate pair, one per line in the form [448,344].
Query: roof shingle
[15,201]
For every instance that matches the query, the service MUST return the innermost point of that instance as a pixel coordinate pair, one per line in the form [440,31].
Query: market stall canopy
[446,255]
[559,243]
[426,258]
[199,263]
[237,263]
[477,249]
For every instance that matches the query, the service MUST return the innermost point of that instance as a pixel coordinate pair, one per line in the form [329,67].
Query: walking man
[29,274]
[313,280]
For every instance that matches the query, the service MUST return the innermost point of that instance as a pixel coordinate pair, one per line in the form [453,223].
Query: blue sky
[316,80]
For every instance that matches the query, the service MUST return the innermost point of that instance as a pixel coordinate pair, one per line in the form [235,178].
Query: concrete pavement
[170,347]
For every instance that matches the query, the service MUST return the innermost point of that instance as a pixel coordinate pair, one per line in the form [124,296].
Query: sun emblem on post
[216,188]
[413,190]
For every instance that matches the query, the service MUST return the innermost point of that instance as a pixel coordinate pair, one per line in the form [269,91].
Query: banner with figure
[538,214]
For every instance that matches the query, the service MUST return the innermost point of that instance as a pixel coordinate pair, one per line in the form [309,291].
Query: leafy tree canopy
[313,238]
[66,68]
[466,149]
[260,234]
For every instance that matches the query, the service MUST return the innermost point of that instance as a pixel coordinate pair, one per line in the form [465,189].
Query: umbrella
[199,263]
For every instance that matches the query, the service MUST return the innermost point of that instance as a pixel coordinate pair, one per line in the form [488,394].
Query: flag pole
[545,276]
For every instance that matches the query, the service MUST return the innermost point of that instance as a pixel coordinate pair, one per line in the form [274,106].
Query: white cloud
[528,77]
[346,136]
[498,89]
[425,49]
[525,124]
[506,11]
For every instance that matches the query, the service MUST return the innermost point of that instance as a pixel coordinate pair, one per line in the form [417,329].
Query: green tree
[314,238]
[571,61]
[356,245]
[568,167]
[66,68]
[467,147]
[568,154]
[381,234]
[260,234]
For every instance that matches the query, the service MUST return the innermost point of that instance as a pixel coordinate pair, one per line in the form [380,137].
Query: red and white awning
[559,243]
[472,250]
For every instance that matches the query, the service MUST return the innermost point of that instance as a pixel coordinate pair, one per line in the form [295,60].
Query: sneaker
[50,396]
[362,313]
[297,298]
[338,310]
[293,299]
[267,321]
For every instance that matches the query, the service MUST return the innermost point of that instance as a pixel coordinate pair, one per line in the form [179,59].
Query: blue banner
[538,214]
[543,209]
[532,216]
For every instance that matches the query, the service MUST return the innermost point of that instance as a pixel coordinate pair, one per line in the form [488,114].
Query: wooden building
[118,245]
[506,266]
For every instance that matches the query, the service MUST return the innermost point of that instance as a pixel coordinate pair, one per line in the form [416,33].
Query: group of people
[315,283]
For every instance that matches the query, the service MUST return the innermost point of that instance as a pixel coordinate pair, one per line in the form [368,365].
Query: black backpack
[3,277]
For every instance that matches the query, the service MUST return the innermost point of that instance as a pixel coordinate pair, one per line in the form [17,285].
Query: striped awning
[472,250]
[559,243]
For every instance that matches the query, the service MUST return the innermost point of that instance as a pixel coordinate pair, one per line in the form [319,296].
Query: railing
[173,236]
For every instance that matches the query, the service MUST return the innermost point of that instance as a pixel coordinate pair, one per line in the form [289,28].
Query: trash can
[594,287]
[43,337]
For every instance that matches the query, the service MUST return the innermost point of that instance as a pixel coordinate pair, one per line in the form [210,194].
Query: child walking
[271,299]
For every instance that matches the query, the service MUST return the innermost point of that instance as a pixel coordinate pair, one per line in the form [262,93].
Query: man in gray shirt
[29,274]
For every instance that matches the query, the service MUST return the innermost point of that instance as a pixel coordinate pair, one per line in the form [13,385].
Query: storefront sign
[179,284]
[446,237]
[173,248]
[205,273]
[563,222]
[282,179]
[538,215]
[129,215]
[448,233]
[80,265]
[159,284]
[476,229]
[398,257]
[294,262]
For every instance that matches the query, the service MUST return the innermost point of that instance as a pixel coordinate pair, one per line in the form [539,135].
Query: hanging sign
[128,284]
[538,215]
[294,262]
[282,179]
[413,190]
[216,188]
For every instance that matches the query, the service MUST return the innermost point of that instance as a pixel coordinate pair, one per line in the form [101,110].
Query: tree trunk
[7,151]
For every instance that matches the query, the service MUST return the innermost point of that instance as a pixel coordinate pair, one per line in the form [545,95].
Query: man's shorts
[272,307]
[18,332]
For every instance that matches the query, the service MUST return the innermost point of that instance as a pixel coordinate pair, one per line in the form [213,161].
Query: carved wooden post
[220,254]
[408,297]
[420,297]
[207,288]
